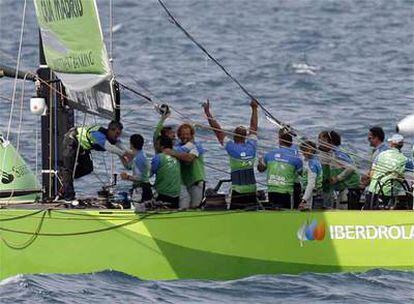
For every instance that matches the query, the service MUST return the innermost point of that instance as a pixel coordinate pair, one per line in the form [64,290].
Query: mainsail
[74,49]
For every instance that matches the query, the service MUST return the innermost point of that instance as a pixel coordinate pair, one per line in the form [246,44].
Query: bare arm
[213,123]
[254,117]
[183,156]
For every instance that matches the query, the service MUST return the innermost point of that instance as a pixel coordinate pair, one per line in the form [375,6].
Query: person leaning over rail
[140,168]
[311,176]
[77,144]
[387,175]
[242,154]
[167,174]
[283,165]
[191,156]
[344,176]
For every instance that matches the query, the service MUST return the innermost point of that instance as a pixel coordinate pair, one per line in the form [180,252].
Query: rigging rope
[268,115]
[111,20]
[19,52]
[189,36]
[31,240]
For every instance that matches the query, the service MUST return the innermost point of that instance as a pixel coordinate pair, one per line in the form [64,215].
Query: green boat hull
[204,245]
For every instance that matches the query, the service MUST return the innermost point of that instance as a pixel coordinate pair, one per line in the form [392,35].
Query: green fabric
[242,165]
[84,136]
[168,176]
[389,165]
[352,181]
[281,177]
[326,175]
[157,131]
[193,172]
[74,43]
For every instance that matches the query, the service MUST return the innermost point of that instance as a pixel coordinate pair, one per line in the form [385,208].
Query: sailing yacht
[40,236]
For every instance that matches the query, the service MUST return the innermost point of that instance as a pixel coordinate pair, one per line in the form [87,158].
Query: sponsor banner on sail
[74,49]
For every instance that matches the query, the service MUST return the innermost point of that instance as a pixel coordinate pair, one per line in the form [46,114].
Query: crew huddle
[305,176]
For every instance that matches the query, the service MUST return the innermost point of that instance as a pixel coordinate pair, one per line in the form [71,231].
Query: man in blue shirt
[140,168]
[242,154]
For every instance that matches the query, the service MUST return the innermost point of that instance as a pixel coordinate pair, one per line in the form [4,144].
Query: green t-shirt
[339,165]
[388,165]
[193,172]
[168,174]
[283,167]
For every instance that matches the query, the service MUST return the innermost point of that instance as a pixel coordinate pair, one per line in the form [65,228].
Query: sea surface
[317,65]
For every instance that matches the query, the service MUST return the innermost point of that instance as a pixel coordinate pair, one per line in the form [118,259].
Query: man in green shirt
[167,174]
[387,175]
[191,156]
[283,166]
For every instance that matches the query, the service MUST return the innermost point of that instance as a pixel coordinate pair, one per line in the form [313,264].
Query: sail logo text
[56,10]
[75,62]
[371,232]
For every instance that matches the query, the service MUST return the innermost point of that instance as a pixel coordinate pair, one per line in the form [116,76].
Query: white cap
[396,139]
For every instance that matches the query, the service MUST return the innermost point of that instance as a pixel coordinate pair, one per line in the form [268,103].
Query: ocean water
[317,65]
[378,286]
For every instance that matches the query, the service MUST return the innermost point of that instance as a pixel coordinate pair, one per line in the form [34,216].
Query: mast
[57,121]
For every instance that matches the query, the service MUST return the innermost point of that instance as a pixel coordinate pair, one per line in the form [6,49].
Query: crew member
[242,154]
[325,155]
[191,156]
[311,176]
[344,176]
[161,130]
[376,141]
[167,174]
[77,144]
[283,166]
[140,168]
[387,175]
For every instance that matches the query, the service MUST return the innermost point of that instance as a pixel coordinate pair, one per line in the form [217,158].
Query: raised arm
[254,118]
[158,127]
[213,123]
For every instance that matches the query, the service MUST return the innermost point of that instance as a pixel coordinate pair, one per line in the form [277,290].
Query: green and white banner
[74,49]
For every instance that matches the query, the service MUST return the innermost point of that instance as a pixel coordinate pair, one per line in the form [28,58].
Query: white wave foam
[11,280]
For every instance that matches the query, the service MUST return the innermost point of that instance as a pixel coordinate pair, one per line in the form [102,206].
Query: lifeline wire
[321,156]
